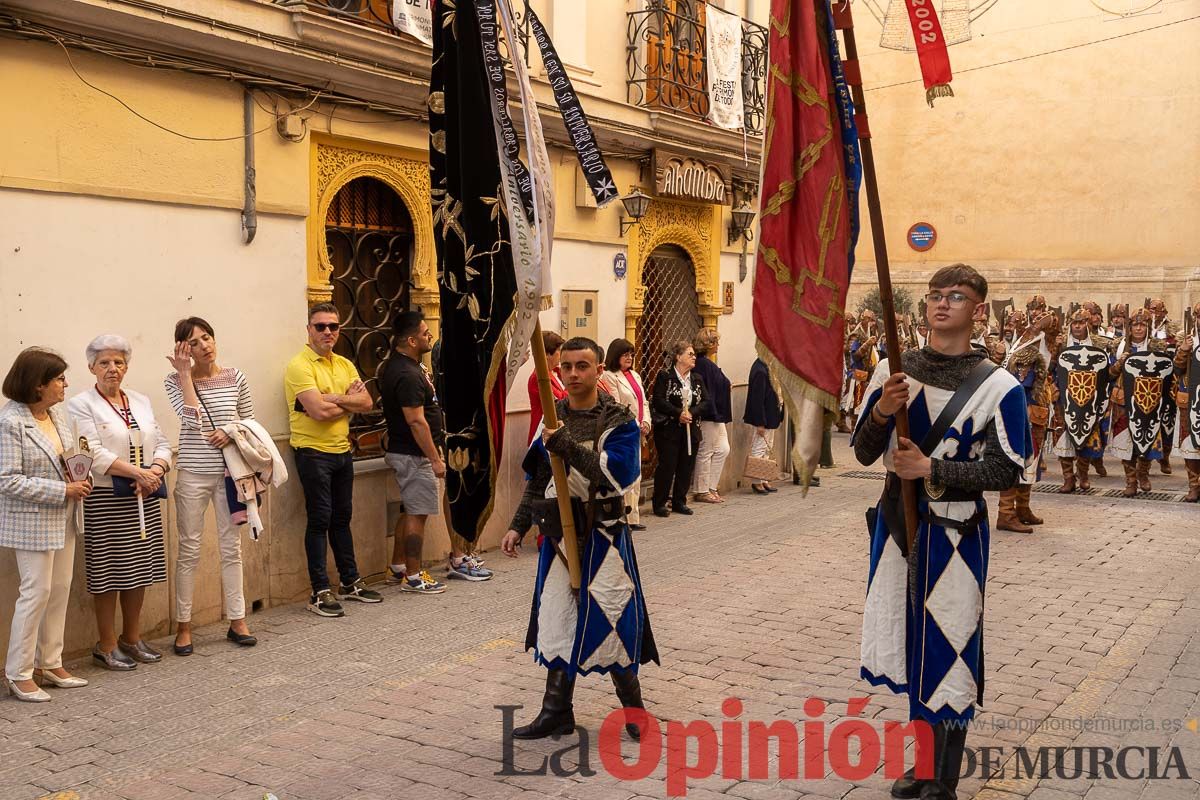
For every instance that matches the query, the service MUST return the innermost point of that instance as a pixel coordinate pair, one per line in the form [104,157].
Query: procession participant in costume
[1137,402]
[1036,303]
[970,435]
[1083,373]
[1026,364]
[846,406]
[864,354]
[922,333]
[1015,323]
[1096,320]
[1101,339]
[606,628]
[1118,321]
[1187,400]
[1163,329]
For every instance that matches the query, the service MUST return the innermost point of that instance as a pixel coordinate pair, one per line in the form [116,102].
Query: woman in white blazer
[38,519]
[627,388]
[120,557]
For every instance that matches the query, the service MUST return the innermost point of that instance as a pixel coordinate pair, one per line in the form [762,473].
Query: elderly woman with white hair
[130,457]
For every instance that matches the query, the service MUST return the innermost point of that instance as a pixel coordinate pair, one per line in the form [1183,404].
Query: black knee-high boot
[557,715]
[949,742]
[629,692]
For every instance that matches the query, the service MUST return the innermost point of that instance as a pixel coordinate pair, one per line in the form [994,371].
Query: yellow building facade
[123,197]
[124,202]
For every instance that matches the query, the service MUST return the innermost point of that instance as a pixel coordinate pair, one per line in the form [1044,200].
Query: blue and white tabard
[609,629]
[928,643]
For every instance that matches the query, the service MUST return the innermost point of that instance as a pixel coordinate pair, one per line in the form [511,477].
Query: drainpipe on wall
[249,212]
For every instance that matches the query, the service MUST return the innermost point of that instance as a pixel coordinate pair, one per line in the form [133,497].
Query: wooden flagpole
[557,467]
[887,299]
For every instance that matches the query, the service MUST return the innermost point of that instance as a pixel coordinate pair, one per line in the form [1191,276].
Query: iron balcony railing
[667,60]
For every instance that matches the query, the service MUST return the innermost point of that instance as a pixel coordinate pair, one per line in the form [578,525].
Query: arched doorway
[369,239]
[670,312]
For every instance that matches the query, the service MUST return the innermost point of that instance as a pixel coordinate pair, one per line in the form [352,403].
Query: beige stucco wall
[1074,175]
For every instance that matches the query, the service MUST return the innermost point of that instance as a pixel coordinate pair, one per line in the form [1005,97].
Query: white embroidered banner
[723,34]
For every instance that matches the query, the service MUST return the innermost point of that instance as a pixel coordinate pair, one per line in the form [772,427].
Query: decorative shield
[1169,412]
[1083,386]
[1144,380]
[1194,395]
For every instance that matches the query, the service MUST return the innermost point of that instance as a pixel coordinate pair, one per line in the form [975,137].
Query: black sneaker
[359,591]
[323,604]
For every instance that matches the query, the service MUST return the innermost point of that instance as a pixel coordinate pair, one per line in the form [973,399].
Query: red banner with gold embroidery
[808,217]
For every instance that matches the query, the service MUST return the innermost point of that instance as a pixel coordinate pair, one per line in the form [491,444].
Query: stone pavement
[1093,618]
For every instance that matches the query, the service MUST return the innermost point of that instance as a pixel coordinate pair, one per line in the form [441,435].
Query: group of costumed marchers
[1093,390]
[979,411]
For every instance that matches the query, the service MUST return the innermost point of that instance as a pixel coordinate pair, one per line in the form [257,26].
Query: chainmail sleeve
[581,458]
[871,441]
[995,472]
[535,489]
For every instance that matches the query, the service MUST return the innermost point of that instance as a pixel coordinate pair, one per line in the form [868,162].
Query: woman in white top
[130,456]
[626,387]
[38,520]
[205,396]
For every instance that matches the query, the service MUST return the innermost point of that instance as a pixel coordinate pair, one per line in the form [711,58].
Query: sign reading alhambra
[690,179]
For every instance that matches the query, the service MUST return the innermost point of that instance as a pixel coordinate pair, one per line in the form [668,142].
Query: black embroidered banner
[476,277]
[583,139]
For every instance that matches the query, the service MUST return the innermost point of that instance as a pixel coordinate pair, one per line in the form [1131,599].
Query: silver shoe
[140,652]
[36,696]
[63,683]
[116,660]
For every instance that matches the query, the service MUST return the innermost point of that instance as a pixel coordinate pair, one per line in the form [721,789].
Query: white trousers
[710,458]
[193,493]
[40,614]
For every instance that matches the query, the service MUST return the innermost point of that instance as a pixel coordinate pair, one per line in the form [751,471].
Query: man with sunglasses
[323,391]
[923,617]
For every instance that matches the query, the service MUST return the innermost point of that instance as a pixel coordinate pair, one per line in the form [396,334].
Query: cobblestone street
[1095,615]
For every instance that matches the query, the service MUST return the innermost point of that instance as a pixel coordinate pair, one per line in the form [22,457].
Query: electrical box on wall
[579,317]
[583,193]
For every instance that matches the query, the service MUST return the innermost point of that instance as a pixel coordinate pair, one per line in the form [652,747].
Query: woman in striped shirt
[205,396]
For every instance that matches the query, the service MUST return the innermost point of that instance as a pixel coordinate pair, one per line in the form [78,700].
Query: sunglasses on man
[327,326]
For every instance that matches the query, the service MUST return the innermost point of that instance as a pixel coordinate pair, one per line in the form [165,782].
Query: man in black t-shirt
[416,441]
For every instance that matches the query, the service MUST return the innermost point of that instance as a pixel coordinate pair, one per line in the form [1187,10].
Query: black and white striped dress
[115,556]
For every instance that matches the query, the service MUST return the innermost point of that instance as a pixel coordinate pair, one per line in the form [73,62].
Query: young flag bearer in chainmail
[605,628]
[923,618]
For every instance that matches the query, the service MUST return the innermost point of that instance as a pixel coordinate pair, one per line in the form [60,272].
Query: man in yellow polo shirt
[323,390]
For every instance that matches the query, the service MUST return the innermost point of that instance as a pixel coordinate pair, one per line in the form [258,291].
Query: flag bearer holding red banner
[969,429]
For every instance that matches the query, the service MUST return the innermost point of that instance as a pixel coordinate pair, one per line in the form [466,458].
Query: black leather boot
[907,787]
[557,715]
[629,692]
[949,741]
